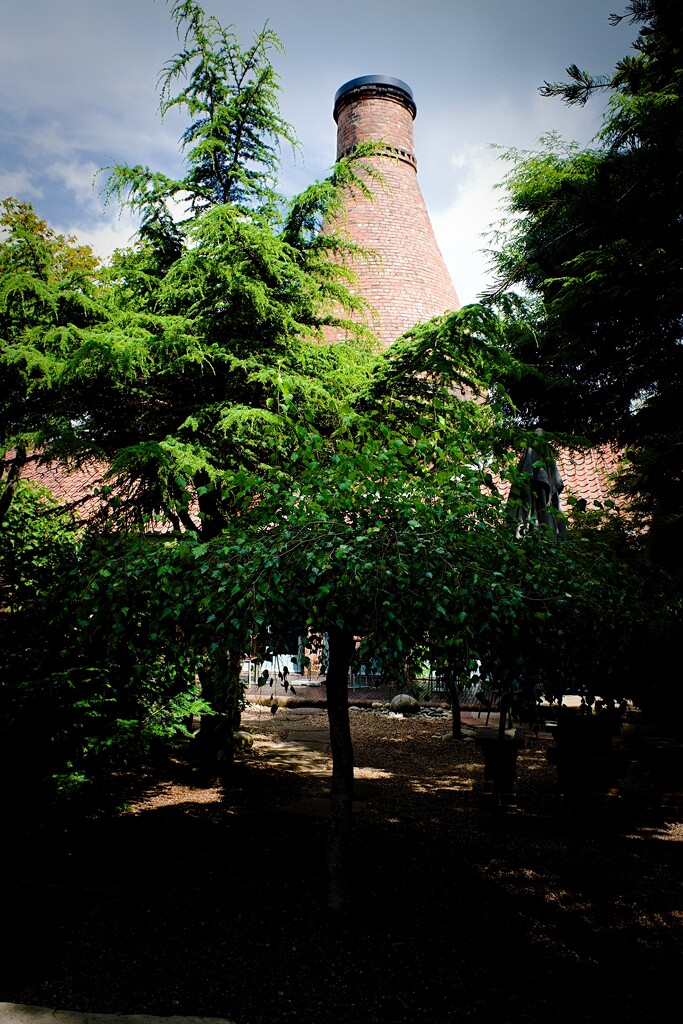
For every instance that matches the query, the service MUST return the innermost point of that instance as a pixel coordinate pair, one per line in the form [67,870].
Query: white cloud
[110,234]
[460,228]
[19,184]
[459,169]
[79,179]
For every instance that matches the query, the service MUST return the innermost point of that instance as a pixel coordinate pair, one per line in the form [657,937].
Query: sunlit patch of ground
[170,794]
[372,773]
[669,832]
[291,756]
[463,783]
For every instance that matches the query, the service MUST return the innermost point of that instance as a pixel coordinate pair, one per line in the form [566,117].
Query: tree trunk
[211,514]
[12,481]
[340,649]
[221,687]
[452,688]
[504,711]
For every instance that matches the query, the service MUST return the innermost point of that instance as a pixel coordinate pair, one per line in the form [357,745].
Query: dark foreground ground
[201,902]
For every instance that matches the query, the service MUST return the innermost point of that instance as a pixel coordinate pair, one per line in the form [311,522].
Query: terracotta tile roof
[72,488]
[587,474]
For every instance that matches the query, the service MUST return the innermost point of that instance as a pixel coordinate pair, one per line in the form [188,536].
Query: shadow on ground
[212,904]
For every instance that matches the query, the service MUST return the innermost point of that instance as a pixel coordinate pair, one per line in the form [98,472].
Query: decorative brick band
[391,151]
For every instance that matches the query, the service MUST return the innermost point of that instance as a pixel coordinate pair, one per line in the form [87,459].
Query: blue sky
[78,91]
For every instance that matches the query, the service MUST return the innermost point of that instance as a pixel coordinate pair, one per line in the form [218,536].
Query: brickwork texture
[404,276]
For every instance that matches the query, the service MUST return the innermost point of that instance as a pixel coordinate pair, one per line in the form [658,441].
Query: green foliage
[37,543]
[406,542]
[232,95]
[223,298]
[174,366]
[426,374]
[48,298]
[232,141]
[110,669]
[309,486]
[596,235]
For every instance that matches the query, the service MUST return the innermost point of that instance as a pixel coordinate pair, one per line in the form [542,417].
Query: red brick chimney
[406,281]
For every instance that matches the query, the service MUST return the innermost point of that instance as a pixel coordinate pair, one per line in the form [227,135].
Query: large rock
[404,704]
[243,740]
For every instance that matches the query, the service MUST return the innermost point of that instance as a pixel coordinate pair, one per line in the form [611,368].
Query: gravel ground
[203,901]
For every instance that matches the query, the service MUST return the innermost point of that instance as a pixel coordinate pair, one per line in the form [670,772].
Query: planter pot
[588,768]
[665,758]
[500,765]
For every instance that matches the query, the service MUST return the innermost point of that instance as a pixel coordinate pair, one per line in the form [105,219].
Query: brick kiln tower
[406,282]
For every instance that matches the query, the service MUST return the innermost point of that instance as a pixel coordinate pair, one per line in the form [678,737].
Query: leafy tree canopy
[179,366]
[49,298]
[37,542]
[597,235]
[173,363]
[225,293]
[397,529]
